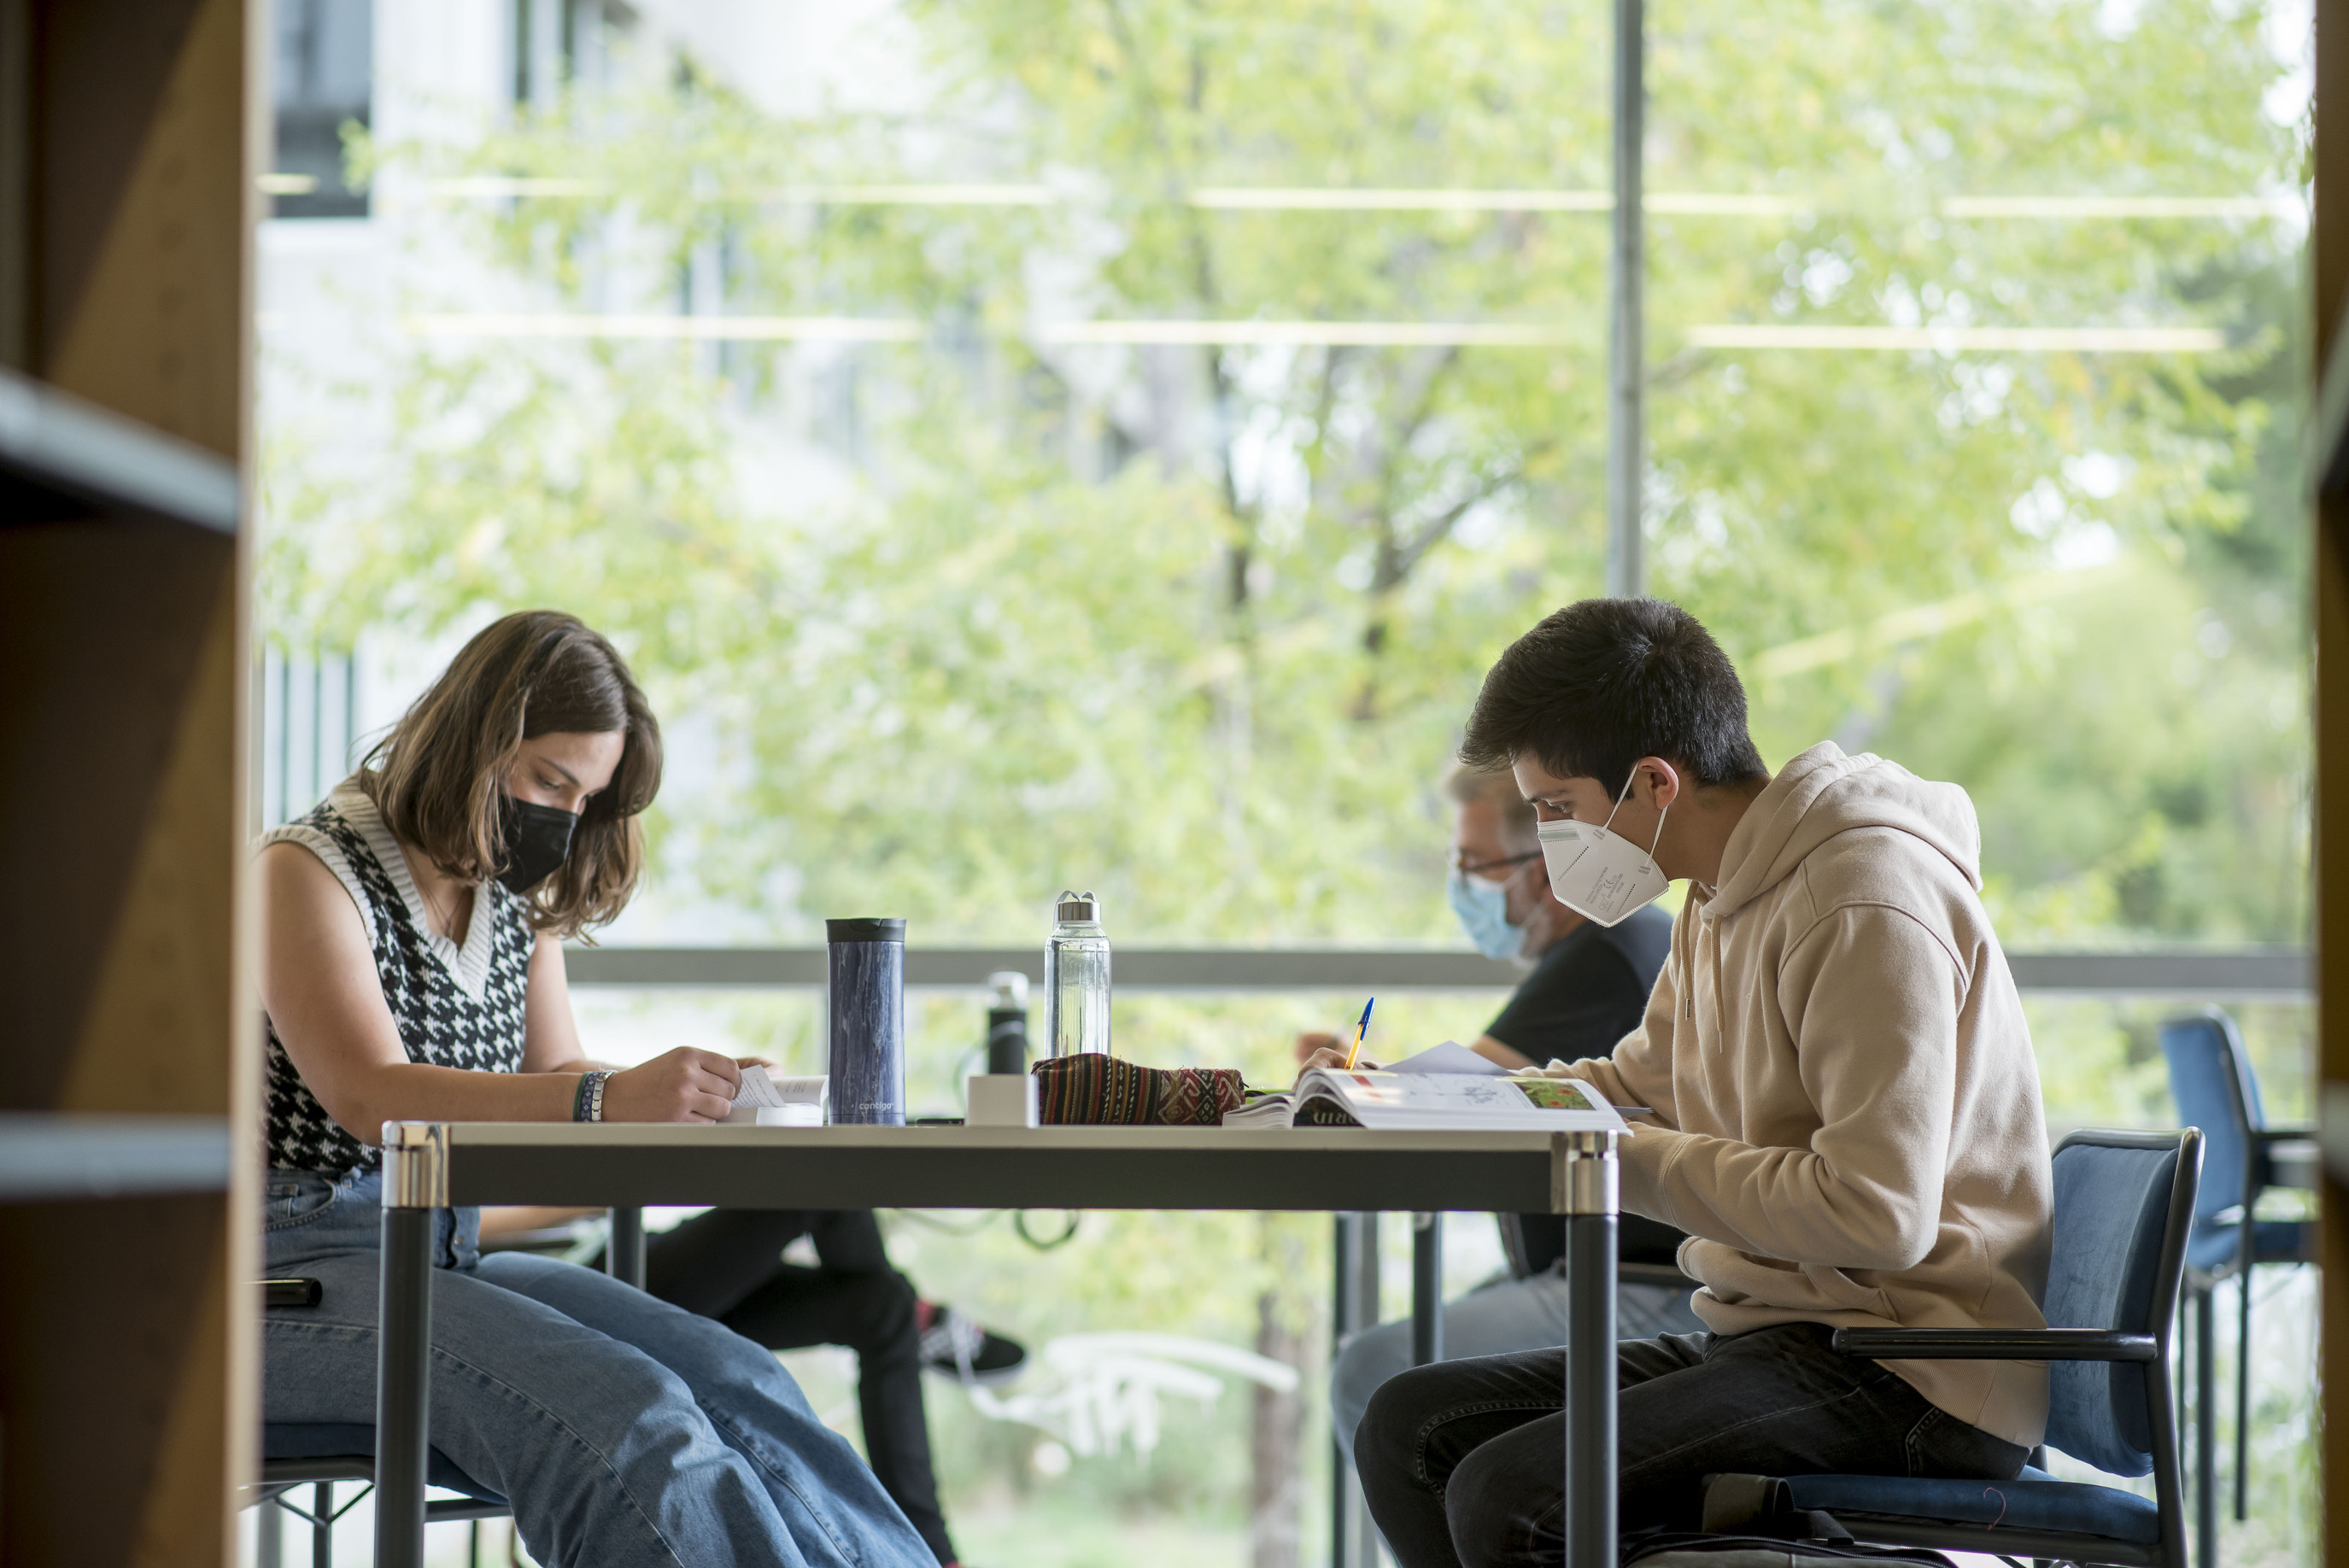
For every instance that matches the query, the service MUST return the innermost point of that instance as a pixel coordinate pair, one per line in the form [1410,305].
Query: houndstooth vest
[454,1007]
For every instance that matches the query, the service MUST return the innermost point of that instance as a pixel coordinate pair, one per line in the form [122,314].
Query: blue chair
[321,1454]
[2123,1204]
[2211,1078]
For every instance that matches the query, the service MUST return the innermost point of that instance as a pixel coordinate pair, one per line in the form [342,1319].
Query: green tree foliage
[1196,624]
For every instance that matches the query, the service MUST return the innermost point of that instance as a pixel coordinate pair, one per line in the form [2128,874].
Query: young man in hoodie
[1847,1116]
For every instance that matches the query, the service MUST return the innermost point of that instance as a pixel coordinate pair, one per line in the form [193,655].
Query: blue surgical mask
[1483,906]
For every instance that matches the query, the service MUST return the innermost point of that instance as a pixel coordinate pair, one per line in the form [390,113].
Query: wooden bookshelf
[2328,473]
[128,1165]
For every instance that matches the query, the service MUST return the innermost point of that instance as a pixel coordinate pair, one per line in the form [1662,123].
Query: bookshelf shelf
[65,459]
[49,1157]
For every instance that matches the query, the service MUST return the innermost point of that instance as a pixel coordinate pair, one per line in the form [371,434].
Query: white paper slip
[770,1101]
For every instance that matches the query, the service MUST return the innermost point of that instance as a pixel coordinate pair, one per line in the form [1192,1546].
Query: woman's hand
[683,1084]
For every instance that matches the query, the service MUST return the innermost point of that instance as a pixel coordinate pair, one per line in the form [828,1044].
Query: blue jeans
[624,1430]
[1463,1463]
[1492,1320]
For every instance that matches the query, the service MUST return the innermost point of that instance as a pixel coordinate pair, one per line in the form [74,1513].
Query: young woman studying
[411,969]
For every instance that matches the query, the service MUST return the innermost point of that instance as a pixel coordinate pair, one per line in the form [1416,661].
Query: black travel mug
[868,1021]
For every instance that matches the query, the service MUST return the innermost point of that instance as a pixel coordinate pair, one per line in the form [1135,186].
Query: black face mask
[537,840]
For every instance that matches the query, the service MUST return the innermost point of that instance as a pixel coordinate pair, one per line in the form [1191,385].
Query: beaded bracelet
[588,1103]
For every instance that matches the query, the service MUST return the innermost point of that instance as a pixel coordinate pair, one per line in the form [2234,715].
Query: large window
[1036,445]
[1107,444]
[321,74]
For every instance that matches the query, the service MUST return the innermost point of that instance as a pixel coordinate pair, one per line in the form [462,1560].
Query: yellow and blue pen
[1361,1029]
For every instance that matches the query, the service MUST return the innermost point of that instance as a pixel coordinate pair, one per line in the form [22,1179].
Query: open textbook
[1409,1095]
[770,1101]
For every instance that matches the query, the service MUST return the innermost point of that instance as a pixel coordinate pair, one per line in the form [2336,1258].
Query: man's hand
[1332,1057]
[683,1085]
[1314,1040]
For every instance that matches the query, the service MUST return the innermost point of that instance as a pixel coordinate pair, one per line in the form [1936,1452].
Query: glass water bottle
[1076,978]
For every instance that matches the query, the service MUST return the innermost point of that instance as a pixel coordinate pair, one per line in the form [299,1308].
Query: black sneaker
[954,1346]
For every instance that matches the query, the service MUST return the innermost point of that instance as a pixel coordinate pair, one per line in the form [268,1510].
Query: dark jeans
[728,1265]
[1463,1461]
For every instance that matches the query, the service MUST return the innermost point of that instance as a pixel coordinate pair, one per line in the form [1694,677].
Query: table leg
[624,1255]
[1345,1240]
[1426,1289]
[415,1185]
[1367,1303]
[1588,1199]
[1354,1305]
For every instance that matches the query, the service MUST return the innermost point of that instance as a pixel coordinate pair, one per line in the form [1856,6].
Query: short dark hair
[1605,682]
[437,777]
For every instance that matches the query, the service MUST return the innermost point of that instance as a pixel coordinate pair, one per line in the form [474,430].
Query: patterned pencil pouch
[1092,1089]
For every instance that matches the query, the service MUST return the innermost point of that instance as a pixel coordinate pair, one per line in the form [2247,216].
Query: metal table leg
[1426,1289]
[623,1256]
[1345,1240]
[1354,1305]
[1367,1283]
[415,1185]
[1588,1199]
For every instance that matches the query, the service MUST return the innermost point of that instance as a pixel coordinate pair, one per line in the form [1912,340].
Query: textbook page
[1386,1100]
[1451,1057]
[1331,1097]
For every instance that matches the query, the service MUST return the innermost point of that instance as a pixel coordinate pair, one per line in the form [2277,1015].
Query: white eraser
[1001,1100]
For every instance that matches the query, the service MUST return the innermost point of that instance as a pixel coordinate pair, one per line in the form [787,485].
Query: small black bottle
[1007,1022]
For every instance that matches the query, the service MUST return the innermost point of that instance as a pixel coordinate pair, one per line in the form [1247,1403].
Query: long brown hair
[437,777]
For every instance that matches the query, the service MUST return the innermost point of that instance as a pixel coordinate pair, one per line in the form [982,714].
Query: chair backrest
[2123,1202]
[2210,1079]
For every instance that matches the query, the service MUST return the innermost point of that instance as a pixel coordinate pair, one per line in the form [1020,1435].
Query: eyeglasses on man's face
[1467,867]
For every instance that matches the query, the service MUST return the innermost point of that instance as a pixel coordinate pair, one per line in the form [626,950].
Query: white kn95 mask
[1599,874]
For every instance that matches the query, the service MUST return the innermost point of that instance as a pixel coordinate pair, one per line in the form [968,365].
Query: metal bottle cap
[1010,987]
[1077,909]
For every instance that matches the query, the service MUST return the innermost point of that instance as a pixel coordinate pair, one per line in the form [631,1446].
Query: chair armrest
[1995,1344]
[2283,1134]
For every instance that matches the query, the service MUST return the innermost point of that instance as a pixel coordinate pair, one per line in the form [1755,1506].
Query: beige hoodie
[1847,1119]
